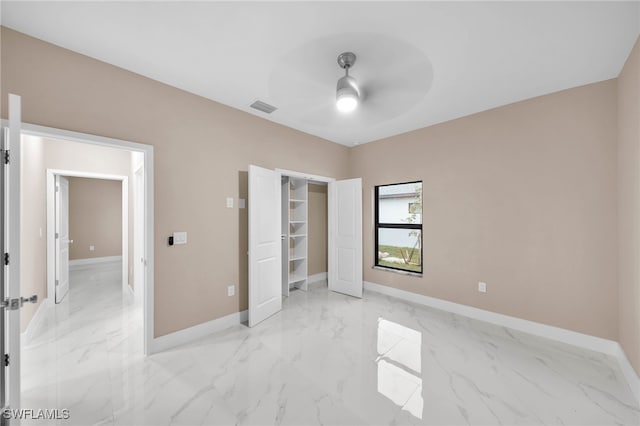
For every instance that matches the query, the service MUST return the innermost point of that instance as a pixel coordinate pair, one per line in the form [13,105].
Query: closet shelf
[296,278]
[295,227]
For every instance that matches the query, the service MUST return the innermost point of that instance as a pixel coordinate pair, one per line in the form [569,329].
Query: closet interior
[295,233]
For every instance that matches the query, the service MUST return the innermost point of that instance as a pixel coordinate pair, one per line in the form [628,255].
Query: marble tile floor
[325,359]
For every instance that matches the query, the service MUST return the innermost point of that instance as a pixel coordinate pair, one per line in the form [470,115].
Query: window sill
[397,271]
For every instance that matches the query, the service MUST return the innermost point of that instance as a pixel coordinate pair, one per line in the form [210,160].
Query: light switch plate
[242,203]
[179,238]
[231,290]
[229,202]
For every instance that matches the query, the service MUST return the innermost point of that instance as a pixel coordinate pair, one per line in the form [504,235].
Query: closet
[279,233]
[295,233]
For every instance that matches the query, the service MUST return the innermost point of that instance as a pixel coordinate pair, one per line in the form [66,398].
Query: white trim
[93,260]
[629,373]
[51,132]
[307,176]
[196,332]
[586,341]
[147,150]
[138,246]
[317,277]
[36,322]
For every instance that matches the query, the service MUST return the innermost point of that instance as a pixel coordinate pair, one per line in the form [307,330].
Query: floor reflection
[400,365]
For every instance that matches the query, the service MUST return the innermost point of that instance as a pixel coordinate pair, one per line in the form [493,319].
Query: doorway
[17,228]
[270,260]
[59,239]
[142,159]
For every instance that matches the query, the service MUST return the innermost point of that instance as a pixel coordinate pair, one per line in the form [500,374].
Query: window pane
[400,248]
[400,203]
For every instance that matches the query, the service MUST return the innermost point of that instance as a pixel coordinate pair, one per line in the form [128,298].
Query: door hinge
[6,259]
[57,282]
[6,156]
[6,360]
[57,235]
[11,304]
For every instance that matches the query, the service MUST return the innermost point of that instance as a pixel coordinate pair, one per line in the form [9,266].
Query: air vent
[264,107]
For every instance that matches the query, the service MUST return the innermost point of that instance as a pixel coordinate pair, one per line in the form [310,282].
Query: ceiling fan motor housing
[347,86]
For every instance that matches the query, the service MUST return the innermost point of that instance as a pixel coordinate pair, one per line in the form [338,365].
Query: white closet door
[265,282]
[345,236]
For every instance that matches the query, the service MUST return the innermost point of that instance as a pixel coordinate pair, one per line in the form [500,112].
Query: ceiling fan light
[347,94]
[346,103]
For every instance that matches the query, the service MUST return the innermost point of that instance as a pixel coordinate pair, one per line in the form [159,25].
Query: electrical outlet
[482,287]
[92,248]
[231,290]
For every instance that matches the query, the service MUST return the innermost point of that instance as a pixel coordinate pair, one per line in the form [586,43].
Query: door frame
[139,265]
[51,217]
[325,180]
[147,150]
[307,176]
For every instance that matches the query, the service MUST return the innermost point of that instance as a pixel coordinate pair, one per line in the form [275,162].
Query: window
[415,208]
[398,226]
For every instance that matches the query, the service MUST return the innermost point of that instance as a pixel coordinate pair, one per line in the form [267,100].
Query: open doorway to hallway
[84,333]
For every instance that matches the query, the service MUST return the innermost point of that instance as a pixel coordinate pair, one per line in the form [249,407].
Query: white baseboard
[317,277]
[196,332]
[629,373]
[550,332]
[93,260]
[35,323]
[574,338]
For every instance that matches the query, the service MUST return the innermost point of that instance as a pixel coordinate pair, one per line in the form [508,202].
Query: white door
[62,237]
[265,288]
[345,236]
[10,288]
[139,262]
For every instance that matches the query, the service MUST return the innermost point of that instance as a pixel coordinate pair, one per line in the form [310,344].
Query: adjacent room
[320,212]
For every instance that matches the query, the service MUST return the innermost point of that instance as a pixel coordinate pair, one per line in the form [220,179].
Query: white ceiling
[419,63]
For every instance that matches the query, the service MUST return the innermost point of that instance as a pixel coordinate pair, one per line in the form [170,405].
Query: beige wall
[522,197]
[317,229]
[95,217]
[39,155]
[629,206]
[33,227]
[202,152]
